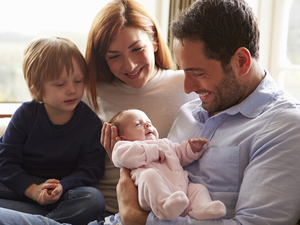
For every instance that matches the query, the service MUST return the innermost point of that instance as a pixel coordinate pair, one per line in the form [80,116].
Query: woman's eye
[138,124]
[78,81]
[59,85]
[137,49]
[113,57]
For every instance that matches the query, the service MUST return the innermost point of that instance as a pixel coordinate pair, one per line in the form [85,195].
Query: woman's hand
[109,137]
[130,211]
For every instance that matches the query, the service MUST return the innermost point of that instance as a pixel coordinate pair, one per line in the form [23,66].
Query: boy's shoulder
[28,108]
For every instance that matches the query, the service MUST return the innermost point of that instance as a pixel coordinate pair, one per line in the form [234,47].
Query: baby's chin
[150,137]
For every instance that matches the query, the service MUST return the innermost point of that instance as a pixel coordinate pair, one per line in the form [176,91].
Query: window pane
[290,81]
[293,41]
[27,20]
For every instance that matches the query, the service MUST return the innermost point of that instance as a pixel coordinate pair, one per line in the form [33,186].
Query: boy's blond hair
[45,59]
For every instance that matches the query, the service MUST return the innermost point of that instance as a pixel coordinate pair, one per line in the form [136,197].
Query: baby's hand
[162,156]
[197,144]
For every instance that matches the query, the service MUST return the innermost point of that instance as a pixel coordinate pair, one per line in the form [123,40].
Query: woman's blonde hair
[107,25]
[45,59]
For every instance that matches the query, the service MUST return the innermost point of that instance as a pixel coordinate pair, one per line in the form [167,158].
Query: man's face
[217,90]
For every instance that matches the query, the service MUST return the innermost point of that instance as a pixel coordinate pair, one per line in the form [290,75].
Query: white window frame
[273,23]
[273,19]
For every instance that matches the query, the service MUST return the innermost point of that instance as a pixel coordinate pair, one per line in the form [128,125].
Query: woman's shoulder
[170,74]
[168,77]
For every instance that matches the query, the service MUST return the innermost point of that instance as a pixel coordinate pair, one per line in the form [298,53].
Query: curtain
[176,6]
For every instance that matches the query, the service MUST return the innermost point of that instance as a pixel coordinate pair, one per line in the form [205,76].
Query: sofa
[3,124]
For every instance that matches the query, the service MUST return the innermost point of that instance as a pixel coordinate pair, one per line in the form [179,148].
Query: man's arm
[130,211]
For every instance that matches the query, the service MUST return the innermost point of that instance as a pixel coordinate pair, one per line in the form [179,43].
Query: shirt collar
[252,106]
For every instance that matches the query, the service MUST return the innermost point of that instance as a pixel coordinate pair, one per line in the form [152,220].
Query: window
[25,20]
[31,19]
[285,50]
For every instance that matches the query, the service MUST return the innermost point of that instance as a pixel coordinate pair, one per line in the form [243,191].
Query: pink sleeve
[184,152]
[135,154]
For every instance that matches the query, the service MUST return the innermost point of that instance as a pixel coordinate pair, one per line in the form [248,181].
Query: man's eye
[198,74]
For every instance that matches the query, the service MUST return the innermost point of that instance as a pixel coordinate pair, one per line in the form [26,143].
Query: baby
[156,168]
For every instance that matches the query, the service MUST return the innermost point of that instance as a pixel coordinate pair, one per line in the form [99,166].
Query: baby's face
[136,126]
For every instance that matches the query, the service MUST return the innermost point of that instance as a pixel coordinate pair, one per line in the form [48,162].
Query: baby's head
[134,125]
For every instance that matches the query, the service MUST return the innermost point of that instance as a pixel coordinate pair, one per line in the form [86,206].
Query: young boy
[156,166]
[51,149]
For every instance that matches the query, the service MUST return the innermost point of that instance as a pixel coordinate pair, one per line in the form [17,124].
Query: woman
[130,66]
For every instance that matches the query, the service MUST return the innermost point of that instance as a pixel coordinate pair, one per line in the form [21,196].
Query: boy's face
[61,96]
[136,126]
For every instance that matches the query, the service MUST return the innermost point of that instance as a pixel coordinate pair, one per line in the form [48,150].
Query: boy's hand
[51,192]
[45,193]
[197,144]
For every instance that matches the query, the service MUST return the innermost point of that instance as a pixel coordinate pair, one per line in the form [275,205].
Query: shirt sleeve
[135,154]
[12,174]
[183,151]
[91,161]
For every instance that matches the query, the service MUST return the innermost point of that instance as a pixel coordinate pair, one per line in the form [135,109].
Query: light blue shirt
[252,164]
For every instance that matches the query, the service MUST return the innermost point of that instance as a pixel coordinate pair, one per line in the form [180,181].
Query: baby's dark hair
[114,120]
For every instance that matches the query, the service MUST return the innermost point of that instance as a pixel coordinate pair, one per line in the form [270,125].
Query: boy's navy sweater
[71,153]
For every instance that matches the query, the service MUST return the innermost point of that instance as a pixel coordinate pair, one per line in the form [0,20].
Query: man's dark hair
[222,25]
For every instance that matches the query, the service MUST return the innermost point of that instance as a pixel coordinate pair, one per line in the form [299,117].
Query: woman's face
[130,57]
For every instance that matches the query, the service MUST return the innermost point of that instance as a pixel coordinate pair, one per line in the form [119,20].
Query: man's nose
[190,83]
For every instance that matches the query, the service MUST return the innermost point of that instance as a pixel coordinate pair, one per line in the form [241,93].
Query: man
[253,129]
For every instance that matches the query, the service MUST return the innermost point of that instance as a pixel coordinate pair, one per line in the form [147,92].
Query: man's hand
[130,211]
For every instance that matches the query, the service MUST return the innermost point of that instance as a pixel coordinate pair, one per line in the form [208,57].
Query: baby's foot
[175,205]
[213,210]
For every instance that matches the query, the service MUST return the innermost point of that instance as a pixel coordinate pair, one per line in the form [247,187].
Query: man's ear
[243,60]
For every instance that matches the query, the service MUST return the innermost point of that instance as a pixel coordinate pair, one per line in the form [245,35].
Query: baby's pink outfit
[164,187]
